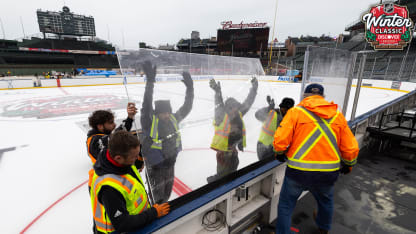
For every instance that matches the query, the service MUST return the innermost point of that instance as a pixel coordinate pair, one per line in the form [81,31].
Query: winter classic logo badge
[388,27]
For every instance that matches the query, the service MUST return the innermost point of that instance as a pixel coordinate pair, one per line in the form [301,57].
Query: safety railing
[380,115]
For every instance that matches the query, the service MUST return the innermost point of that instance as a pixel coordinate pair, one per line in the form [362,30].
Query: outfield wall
[26,82]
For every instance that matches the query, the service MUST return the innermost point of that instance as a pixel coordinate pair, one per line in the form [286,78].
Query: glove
[255,83]
[345,169]
[131,110]
[187,79]
[139,163]
[162,209]
[150,71]
[270,101]
[240,146]
[280,156]
[215,86]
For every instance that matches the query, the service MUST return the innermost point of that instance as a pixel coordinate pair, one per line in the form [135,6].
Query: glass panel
[192,135]
[331,68]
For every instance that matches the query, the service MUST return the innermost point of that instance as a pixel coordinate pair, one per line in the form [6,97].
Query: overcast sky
[167,21]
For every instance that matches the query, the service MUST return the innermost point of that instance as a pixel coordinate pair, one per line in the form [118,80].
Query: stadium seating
[66,44]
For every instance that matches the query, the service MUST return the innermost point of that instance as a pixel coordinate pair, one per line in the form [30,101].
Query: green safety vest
[269,127]
[220,140]
[132,190]
[154,132]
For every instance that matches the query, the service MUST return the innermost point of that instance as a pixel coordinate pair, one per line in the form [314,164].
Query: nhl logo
[388,8]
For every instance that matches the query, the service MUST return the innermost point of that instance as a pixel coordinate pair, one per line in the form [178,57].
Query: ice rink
[43,159]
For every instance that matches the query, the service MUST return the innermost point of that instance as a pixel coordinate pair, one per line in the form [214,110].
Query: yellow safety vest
[322,129]
[269,127]
[154,132]
[132,190]
[220,140]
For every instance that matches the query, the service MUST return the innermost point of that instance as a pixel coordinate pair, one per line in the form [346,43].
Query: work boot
[321,231]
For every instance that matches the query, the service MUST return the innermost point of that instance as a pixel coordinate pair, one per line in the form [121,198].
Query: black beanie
[162,106]
[231,103]
[287,103]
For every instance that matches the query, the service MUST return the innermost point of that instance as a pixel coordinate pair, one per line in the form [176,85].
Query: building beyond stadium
[68,43]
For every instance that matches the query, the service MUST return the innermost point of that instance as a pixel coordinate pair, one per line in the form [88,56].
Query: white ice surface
[50,158]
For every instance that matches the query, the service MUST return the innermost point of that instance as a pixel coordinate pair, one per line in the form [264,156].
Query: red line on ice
[183,185]
[179,188]
[175,190]
[63,90]
[50,207]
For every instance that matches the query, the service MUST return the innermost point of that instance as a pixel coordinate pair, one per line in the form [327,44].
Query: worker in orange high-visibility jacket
[318,144]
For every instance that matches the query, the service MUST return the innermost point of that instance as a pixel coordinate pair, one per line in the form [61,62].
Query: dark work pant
[161,182]
[264,151]
[291,191]
[227,162]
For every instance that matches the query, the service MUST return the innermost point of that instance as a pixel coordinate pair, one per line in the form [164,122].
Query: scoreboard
[65,23]
[246,39]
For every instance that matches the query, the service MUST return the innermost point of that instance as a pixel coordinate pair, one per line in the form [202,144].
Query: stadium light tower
[2,29]
[108,33]
[23,28]
[271,45]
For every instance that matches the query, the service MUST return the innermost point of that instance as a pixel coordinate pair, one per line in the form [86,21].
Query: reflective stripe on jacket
[154,132]
[130,188]
[220,140]
[269,127]
[93,159]
[316,137]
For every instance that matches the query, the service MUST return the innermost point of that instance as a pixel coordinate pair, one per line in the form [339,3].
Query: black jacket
[236,133]
[99,142]
[113,200]
[169,150]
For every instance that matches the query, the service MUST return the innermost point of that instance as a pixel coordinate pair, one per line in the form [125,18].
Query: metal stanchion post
[358,88]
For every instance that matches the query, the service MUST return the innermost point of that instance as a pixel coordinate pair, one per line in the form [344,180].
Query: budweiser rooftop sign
[388,26]
[229,25]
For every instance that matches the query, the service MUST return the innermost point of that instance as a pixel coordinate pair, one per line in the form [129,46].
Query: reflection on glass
[270,118]
[331,68]
[161,141]
[180,115]
[230,131]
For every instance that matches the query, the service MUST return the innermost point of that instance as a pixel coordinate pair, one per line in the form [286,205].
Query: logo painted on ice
[388,26]
[61,106]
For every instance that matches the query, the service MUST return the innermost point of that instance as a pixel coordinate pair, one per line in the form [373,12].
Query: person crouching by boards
[271,118]
[118,196]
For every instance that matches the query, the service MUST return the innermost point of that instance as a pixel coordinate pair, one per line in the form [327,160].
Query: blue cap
[315,89]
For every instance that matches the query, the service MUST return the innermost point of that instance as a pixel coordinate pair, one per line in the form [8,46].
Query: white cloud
[164,21]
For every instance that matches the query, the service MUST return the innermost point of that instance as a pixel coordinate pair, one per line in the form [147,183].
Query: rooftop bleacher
[65,44]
